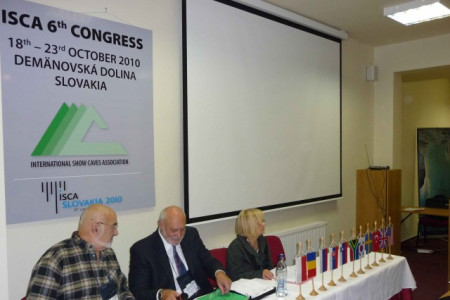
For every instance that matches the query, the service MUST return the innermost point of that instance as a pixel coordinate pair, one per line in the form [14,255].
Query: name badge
[188,284]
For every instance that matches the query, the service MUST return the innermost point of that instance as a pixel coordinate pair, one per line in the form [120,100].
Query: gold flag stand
[353,274]
[383,231]
[361,253]
[342,279]
[374,264]
[391,237]
[368,267]
[333,244]
[308,250]
[322,243]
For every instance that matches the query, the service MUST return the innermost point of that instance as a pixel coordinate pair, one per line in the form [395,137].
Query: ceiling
[363,20]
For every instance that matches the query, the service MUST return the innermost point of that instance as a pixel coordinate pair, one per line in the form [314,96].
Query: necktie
[180,266]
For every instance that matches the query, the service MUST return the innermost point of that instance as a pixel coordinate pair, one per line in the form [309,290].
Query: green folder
[217,295]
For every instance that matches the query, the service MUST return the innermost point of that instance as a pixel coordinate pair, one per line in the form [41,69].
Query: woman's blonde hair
[247,222]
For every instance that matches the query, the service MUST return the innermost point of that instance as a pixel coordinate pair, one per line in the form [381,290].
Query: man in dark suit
[173,261]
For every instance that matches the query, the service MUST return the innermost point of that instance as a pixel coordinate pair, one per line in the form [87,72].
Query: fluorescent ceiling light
[417,11]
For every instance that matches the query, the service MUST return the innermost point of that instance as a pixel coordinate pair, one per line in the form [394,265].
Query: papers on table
[252,288]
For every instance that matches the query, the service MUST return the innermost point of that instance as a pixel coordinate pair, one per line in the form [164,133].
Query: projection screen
[262,111]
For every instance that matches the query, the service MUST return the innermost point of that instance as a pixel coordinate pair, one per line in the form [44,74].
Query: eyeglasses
[113,227]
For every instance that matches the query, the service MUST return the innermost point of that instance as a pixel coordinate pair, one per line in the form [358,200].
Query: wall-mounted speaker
[371,73]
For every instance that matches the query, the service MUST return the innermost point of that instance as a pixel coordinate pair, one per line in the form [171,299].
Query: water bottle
[281,273]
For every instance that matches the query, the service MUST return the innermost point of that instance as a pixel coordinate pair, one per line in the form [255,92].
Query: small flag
[390,235]
[311,264]
[368,239]
[334,257]
[361,245]
[354,249]
[324,260]
[343,253]
[383,238]
[300,266]
[376,240]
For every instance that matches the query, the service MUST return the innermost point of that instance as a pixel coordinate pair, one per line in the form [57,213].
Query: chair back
[275,247]
[221,255]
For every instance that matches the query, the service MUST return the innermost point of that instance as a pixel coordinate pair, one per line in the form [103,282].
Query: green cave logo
[64,136]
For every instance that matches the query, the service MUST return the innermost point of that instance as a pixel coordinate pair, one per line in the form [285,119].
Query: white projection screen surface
[262,111]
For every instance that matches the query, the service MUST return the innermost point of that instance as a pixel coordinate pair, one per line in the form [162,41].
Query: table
[379,283]
[443,212]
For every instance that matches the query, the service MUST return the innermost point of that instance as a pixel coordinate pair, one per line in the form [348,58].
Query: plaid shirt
[70,270]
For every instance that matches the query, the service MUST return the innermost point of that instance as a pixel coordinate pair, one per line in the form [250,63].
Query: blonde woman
[248,254]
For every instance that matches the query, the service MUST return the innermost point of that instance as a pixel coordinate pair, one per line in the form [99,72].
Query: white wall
[394,58]
[26,242]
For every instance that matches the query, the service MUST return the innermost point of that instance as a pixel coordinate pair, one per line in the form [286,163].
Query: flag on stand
[334,257]
[323,260]
[361,246]
[383,238]
[343,253]
[390,234]
[376,240]
[300,266]
[354,249]
[368,239]
[311,264]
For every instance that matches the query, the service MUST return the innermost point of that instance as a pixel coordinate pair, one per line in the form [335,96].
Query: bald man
[83,266]
[173,262]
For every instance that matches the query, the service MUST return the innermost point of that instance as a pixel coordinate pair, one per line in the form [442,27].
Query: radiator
[314,232]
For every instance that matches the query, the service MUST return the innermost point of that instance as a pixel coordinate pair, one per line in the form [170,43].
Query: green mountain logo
[65,134]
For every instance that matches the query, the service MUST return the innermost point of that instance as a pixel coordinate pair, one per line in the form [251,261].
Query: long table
[443,212]
[379,283]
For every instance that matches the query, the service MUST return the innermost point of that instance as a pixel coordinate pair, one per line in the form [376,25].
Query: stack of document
[253,288]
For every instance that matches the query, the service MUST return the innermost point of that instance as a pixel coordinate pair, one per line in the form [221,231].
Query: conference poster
[77,108]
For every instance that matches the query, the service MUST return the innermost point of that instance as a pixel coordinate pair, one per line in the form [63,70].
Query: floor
[429,269]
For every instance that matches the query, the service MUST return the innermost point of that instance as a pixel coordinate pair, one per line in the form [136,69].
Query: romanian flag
[390,235]
[368,239]
[354,255]
[300,267]
[324,260]
[376,240]
[311,264]
[343,253]
[361,245]
[334,257]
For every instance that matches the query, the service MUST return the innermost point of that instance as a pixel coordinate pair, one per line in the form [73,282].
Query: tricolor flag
[311,264]
[300,267]
[343,253]
[390,235]
[324,260]
[361,245]
[334,257]
[354,255]
[376,240]
[368,239]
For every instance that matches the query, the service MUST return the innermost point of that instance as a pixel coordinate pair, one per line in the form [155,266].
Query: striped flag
[311,264]
[343,253]
[354,249]
[300,267]
[324,260]
[334,257]
[368,239]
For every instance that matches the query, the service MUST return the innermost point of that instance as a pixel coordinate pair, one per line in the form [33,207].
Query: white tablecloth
[379,283]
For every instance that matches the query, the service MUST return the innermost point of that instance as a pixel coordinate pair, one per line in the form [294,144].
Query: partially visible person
[173,262]
[83,266]
[248,255]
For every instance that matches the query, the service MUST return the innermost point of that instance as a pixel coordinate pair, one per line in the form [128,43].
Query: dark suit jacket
[150,267]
